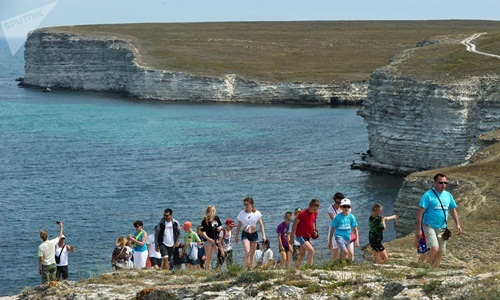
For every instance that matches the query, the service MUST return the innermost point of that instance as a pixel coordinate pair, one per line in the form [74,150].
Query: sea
[98,162]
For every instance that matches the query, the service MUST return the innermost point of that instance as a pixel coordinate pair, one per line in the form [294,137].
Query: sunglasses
[443,182]
[346,206]
[166,216]
[288,219]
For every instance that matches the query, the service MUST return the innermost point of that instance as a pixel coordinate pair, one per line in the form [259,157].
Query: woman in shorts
[248,219]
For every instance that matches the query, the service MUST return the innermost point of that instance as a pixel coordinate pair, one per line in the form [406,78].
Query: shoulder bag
[58,258]
[447,232]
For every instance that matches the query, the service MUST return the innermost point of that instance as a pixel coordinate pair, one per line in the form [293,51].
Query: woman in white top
[248,218]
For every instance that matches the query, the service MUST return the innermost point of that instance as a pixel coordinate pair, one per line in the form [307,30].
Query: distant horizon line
[2,35]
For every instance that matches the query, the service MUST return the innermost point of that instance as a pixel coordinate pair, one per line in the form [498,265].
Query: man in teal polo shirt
[432,215]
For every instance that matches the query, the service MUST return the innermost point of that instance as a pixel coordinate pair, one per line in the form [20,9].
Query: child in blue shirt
[342,225]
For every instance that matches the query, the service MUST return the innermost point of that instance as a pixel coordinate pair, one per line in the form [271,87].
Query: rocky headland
[422,122]
[61,60]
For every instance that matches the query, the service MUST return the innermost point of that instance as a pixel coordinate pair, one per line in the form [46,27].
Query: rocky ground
[330,281]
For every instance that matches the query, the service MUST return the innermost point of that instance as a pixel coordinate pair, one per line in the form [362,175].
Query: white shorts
[140,259]
[433,238]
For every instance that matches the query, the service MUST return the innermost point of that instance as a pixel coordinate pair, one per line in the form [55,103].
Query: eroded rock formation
[419,125]
[86,62]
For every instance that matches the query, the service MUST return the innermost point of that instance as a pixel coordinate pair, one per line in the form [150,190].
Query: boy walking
[284,246]
[342,225]
[375,236]
[225,252]
[190,251]
[295,245]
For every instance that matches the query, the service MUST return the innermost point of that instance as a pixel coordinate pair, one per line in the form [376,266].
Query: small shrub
[265,286]
[431,286]
[254,276]
[297,283]
[216,287]
[313,288]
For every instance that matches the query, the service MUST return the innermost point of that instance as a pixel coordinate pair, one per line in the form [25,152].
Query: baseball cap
[187,224]
[345,201]
[230,222]
[63,237]
[298,209]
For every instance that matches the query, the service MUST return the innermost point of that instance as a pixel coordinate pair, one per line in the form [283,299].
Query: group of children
[343,234]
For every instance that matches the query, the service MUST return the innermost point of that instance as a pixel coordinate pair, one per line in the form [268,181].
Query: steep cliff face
[73,61]
[418,125]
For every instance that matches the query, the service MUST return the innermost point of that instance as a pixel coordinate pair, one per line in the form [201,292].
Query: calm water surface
[98,163]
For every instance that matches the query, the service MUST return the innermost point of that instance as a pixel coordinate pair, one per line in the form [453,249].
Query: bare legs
[249,249]
[306,247]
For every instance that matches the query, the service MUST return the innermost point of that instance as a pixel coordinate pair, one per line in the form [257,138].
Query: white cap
[63,237]
[345,201]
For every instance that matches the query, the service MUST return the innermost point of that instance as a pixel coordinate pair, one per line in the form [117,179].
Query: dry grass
[319,52]
[449,61]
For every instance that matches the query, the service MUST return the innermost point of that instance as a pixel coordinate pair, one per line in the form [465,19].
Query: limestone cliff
[91,62]
[424,124]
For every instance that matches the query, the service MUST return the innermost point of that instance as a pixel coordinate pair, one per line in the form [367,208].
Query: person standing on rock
[46,255]
[432,215]
[61,252]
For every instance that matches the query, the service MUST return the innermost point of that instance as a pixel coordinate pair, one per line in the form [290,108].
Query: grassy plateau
[321,52]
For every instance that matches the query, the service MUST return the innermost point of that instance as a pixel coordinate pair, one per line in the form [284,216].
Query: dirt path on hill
[471,46]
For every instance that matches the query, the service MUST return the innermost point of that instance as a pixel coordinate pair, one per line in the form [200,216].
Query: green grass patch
[431,286]
[254,276]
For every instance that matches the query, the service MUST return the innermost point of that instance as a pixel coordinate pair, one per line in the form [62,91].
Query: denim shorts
[252,237]
[342,243]
[302,240]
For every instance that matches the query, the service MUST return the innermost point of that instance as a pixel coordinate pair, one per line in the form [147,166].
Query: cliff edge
[428,107]
[97,62]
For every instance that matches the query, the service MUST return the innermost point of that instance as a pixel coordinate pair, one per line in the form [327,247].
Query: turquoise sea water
[99,162]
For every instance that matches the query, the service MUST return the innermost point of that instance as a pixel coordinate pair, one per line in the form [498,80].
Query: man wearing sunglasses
[167,237]
[432,215]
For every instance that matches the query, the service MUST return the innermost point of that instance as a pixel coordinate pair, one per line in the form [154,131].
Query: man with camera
[46,255]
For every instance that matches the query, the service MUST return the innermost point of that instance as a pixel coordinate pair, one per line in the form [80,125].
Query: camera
[58,222]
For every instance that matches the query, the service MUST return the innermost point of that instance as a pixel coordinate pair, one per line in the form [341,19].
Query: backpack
[193,251]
